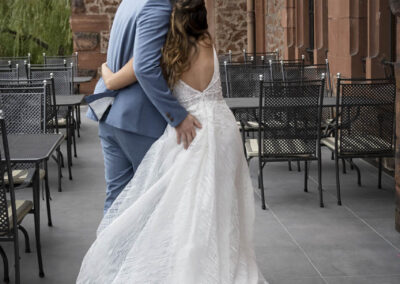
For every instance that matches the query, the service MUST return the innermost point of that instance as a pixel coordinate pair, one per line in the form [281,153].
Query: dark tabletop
[31,148]
[82,79]
[71,100]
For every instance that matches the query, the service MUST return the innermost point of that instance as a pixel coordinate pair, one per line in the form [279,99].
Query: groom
[138,114]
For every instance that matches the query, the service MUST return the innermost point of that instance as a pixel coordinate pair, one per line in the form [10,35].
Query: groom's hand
[186,130]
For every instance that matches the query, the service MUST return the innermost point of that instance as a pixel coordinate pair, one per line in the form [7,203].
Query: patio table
[35,149]
[82,79]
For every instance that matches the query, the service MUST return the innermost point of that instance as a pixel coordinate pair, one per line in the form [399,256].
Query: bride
[187,215]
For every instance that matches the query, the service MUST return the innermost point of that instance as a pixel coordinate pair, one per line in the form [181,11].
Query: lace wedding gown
[187,215]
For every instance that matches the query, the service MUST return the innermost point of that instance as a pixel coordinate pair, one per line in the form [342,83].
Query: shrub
[35,26]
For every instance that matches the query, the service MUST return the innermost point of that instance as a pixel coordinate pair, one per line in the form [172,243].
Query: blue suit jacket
[139,30]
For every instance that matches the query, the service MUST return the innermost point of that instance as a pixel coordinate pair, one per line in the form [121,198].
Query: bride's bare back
[201,69]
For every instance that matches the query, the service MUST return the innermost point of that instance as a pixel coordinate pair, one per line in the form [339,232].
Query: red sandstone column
[250,25]
[320,30]
[378,37]
[260,25]
[396,10]
[288,16]
[302,32]
[347,36]
[211,17]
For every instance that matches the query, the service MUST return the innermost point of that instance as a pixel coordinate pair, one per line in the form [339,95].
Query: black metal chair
[243,82]
[364,123]
[12,211]
[9,73]
[29,109]
[22,62]
[63,85]
[63,61]
[289,129]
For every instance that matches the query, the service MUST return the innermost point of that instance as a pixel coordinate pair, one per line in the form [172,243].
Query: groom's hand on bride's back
[186,130]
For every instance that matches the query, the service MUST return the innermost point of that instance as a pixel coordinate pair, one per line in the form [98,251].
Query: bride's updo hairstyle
[188,26]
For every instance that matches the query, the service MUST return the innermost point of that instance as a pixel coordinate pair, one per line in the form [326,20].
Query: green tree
[35,26]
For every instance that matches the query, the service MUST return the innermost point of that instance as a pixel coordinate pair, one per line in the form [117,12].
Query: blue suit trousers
[123,152]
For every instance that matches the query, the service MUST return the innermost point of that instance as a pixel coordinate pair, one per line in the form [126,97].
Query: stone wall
[91,22]
[230,25]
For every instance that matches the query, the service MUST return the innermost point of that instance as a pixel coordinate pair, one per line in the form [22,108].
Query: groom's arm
[152,27]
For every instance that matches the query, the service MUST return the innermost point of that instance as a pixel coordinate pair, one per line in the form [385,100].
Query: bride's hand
[106,74]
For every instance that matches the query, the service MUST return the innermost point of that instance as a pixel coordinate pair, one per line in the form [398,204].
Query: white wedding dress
[187,215]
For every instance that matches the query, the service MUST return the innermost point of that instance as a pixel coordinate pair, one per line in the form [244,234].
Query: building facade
[356,36]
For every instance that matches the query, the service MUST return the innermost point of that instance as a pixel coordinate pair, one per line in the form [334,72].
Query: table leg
[36,204]
[73,128]
[69,154]
[78,120]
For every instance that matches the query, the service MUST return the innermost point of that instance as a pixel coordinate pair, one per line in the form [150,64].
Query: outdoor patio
[296,241]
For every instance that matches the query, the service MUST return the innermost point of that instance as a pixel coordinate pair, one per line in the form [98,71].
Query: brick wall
[91,22]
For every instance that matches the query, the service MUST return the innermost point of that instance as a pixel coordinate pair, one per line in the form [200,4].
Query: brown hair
[188,25]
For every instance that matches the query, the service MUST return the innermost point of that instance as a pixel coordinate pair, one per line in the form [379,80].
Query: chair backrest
[260,58]
[5,169]
[290,118]
[276,70]
[62,61]
[225,57]
[63,77]
[242,80]
[26,107]
[50,115]
[9,73]
[293,71]
[22,62]
[367,115]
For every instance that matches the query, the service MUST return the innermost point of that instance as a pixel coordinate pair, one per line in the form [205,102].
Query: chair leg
[26,236]
[48,197]
[69,143]
[344,166]
[263,205]
[78,120]
[351,164]
[380,173]
[244,142]
[305,176]
[5,265]
[298,166]
[339,199]
[16,259]
[321,199]
[37,223]
[59,170]
[290,165]
[74,136]
[62,159]
[358,172]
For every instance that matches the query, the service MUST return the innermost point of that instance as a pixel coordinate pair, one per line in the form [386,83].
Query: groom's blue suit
[140,112]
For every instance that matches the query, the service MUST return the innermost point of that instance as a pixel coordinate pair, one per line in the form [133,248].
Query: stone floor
[295,240]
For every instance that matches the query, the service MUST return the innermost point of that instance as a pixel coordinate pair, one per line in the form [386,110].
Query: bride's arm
[123,78]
